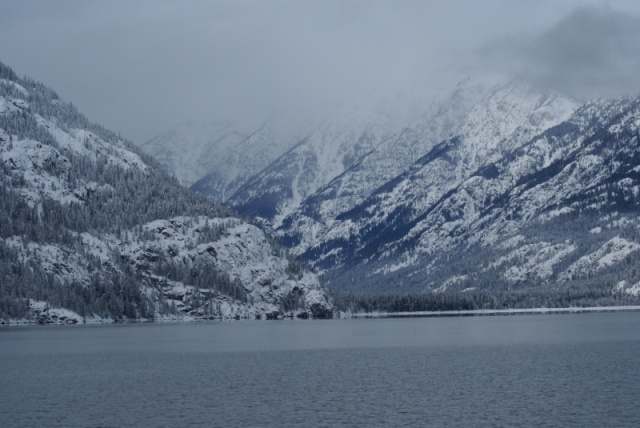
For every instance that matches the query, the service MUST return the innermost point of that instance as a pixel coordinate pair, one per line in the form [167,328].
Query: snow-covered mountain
[484,117]
[235,165]
[555,210]
[502,187]
[216,159]
[328,150]
[92,228]
[474,127]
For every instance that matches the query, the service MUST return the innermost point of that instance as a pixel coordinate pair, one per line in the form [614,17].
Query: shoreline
[492,312]
[344,316]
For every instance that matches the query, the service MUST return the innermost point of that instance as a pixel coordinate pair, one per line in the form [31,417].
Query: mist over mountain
[240,61]
[590,52]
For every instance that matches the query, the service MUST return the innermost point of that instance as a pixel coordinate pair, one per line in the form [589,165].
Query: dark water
[543,370]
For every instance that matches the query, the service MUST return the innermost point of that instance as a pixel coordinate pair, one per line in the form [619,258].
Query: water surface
[542,370]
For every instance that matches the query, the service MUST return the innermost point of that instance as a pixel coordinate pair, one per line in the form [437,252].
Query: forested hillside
[92,228]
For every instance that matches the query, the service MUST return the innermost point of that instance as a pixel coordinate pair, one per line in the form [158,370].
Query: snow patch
[15,85]
[10,105]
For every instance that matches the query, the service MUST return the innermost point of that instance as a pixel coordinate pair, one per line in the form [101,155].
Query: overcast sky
[143,67]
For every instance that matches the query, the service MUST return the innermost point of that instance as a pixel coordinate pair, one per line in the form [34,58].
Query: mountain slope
[216,159]
[91,228]
[382,163]
[236,164]
[561,209]
[486,121]
[327,151]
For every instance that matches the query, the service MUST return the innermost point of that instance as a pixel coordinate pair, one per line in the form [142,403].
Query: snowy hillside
[235,165]
[92,229]
[486,121]
[216,159]
[482,123]
[559,208]
[328,150]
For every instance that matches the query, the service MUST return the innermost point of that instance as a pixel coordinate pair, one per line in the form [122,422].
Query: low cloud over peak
[590,52]
[144,67]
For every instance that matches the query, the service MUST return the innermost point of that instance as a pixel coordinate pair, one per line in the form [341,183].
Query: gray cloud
[145,66]
[591,52]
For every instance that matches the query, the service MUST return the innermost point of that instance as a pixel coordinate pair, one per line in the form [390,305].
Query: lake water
[540,370]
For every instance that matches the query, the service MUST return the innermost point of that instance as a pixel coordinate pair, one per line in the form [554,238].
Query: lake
[534,370]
